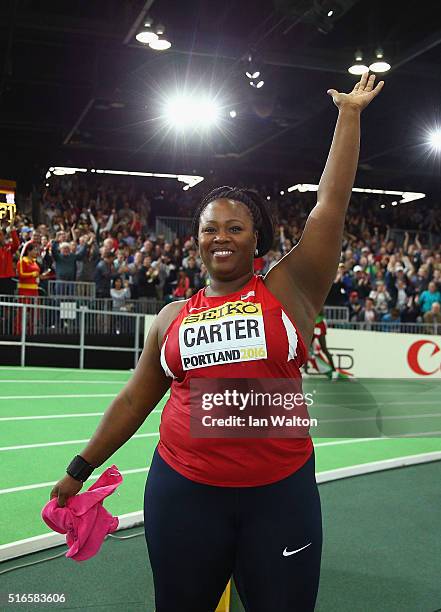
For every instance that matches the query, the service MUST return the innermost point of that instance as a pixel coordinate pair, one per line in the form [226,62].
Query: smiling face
[227,239]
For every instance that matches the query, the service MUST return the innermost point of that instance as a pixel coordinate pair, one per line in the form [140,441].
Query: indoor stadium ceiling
[76,87]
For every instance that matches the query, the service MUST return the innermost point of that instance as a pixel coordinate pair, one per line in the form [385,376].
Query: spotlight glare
[380,64]
[358,67]
[146,37]
[282,193]
[161,44]
[187,111]
[268,197]
[435,139]
[233,114]
[379,67]
[382,205]
[330,13]
[394,203]
[260,84]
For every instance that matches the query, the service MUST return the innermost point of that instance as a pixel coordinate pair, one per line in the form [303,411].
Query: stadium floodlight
[233,114]
[253,75]
[380,65]
[406,196]
[358,67]
[62,170]
[189,180]
[257,85]
[160,43]
[146,36]
[185,111]
[435,139]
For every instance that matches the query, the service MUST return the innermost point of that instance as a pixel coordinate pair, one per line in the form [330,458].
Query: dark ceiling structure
[76,88]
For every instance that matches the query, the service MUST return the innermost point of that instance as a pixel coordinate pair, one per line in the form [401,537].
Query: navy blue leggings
[269,538]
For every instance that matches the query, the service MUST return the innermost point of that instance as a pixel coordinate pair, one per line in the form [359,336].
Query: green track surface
[24,467]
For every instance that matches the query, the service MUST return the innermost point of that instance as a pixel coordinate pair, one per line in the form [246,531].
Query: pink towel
[84,518]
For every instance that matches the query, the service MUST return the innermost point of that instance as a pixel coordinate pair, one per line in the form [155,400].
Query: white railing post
[82,329]
[23,335]
[137,321]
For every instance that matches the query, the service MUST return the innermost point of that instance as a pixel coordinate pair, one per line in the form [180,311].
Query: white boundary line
[65,442]
[132,519]
[64,382]
[49,540]
[377,466]
[40,485]
[48,397]
[63,416]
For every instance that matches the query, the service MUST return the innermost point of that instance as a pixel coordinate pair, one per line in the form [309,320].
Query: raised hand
[362,94]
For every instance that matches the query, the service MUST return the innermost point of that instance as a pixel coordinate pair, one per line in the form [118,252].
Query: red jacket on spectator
[183,285]
[28,271]
[6,254]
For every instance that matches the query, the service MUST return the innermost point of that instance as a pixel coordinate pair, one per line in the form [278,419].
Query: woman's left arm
[310,266]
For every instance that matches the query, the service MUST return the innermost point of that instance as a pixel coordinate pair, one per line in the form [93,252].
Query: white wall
[385,355]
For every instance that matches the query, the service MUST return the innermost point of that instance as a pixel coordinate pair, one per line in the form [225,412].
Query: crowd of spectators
[104,233]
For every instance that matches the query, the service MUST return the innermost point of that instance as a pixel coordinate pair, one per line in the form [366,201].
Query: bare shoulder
[167,315]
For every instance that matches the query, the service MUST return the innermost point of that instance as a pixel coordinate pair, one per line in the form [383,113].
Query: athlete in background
[319,347]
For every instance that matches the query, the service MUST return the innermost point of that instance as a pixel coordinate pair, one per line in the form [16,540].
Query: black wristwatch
[79,469]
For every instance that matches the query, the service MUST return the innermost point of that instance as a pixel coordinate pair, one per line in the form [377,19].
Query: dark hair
[262,219]
[29,247]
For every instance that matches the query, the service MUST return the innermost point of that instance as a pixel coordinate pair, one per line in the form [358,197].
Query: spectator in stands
[101,223]
[120,293]
[147,280]
[381,298]
[361,282]
[9,244]
[28,271]
[434,317]
[182,285]
[87,266]
[65,263]
[393,320]
[192,272]
[104,273]
[121,264]
[192,254]
[368,313]
[428,297]
[337,293]
[411,310]
[354,306]
[399,294]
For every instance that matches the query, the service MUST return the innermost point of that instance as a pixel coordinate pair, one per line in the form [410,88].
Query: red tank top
[229,462]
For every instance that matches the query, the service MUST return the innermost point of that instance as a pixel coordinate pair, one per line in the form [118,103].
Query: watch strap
[79,469]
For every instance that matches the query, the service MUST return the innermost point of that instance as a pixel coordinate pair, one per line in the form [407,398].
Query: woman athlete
[247,507]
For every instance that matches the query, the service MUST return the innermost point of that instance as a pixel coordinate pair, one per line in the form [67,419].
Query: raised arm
[310,266]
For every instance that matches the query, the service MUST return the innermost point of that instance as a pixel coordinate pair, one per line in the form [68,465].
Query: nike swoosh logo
[247,295]
[293,552]
[197,308]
